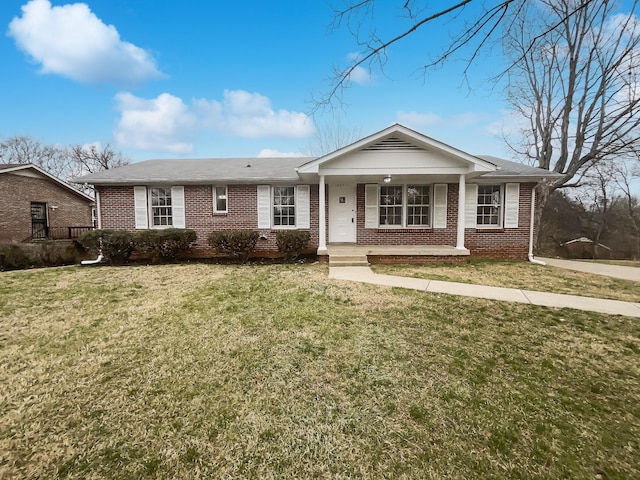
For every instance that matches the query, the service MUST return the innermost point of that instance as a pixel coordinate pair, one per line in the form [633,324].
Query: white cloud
[417,120]
[164,123]
[70,40]
[270,153]
[250,115]
[167,123]
[359,74]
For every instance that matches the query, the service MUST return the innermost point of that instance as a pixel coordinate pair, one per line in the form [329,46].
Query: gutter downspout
[531,225]
[97,260]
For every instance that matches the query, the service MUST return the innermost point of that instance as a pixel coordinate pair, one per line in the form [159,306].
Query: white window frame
[501,207]
[404,223]
[215,190]
[152,207]
[391,206]
[418,205]
[294,206]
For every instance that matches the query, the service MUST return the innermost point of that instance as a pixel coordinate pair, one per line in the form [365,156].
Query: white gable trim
[410,136]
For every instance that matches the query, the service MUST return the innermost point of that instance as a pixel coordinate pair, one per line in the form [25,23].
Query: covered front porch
[397,189]
[360,255]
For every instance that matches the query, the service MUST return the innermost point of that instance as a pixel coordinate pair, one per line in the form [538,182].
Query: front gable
[397,151]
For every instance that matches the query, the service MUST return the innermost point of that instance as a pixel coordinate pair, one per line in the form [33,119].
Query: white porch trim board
[462,197]
[322,217]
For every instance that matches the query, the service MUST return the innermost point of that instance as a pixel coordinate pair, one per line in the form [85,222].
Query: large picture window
[489,206]
[284,206]
[161,208]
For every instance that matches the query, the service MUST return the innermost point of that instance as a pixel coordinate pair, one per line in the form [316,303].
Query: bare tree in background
[62,162]
[472,32]
[24,149]
[573,71]
[574,80]
[93,158]
[631,204]
[332,136]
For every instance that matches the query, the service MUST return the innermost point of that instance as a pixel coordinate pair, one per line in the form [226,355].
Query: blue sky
[199,78]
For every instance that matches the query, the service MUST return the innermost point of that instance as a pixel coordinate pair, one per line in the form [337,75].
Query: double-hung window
[489,206]
[219,199]
[391,205]
[161,207]
[418,205]
[284,206]
[404,206]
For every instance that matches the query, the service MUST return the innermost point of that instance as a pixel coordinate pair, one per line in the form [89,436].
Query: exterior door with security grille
[38,221]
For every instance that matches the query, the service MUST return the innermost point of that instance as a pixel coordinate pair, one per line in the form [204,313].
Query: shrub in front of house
[238,244]
[16,256]
[292,243]
[13,257]
[166,244]
[116,245]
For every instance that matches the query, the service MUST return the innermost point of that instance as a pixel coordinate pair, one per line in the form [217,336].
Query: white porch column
[461,207]
[322,220]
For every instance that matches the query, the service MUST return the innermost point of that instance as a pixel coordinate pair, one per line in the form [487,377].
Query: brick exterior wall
[117,212]
[485,243]
[17,191]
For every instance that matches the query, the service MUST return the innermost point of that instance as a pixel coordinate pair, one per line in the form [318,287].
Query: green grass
[206,371]
[522,275]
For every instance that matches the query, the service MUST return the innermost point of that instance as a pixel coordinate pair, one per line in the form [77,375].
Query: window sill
[401,229]
[489,229]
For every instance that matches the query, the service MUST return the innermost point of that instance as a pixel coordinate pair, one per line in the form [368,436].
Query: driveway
[617,271]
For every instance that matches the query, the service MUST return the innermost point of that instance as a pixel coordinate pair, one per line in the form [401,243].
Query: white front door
[342,213]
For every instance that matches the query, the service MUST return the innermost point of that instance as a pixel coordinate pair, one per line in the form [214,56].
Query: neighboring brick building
[394,188]
[35,205]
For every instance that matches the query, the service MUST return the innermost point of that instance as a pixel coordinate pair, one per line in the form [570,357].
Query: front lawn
[209,371]
[522,275]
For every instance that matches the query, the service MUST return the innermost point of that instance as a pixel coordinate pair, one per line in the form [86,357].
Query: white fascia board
[392,171]
[475,164]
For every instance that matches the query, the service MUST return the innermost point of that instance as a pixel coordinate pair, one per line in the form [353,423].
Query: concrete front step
[348,261]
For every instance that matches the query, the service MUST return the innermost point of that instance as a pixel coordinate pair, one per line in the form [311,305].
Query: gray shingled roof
[191,171]
[507,168]
[251,170]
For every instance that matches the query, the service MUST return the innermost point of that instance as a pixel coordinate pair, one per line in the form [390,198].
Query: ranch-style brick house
[396,193]
[35,205]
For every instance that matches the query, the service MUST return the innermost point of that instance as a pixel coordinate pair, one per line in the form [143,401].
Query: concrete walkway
[366,275]
[616,271]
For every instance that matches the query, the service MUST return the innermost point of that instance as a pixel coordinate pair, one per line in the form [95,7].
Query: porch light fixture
[387,179]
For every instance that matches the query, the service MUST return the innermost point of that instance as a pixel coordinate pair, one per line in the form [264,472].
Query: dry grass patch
[522,275]
[205,371]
